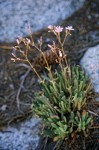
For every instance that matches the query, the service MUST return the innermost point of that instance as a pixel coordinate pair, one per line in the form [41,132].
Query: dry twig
[21,84]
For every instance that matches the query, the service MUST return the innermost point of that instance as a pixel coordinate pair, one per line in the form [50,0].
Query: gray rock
[90,62]
[24,136]
[15,16]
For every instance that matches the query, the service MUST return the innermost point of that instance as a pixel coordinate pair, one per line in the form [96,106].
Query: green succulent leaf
[61,103]
[88,120]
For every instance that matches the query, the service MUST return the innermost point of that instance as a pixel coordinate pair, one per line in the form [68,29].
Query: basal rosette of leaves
[62,103]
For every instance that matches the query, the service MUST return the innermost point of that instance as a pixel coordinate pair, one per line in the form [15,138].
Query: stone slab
[15,16]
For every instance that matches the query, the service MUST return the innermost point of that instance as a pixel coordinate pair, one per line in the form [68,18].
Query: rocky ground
[82,44]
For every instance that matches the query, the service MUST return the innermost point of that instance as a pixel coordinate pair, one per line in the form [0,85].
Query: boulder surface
[90,63]
[16,16]
[23,136]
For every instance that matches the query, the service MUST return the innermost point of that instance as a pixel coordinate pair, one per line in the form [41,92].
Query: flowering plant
[62,101]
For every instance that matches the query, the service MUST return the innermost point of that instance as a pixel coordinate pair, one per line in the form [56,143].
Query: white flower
[50,46]
[50,27]
[60,54]
[28,41]
[13,59]
[58,29]
[69,28]
[18,42]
